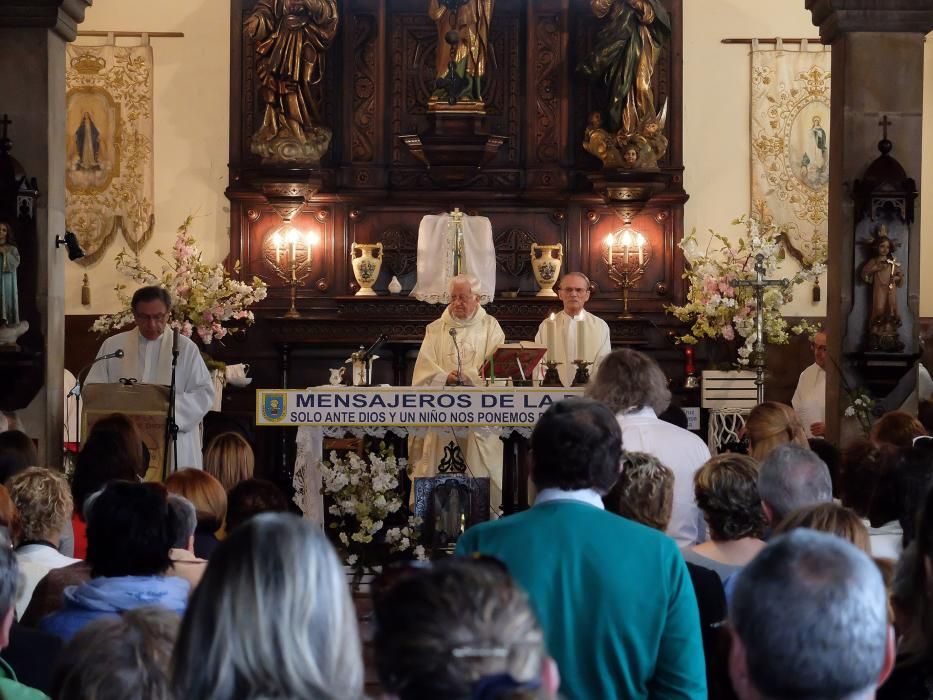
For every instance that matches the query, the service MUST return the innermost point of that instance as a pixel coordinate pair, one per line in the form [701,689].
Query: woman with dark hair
[113,451]
[726,489]
[462,629]
[129,531]
[869,485]
[251,497]
[17,452]
[272,618]
[896,428]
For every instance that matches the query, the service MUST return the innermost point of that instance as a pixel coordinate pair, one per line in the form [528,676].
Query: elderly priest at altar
[147,357]
[453,352]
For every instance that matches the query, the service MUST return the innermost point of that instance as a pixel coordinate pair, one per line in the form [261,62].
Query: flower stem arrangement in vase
[861,407]
[367,512]
[718,309]
[207,303]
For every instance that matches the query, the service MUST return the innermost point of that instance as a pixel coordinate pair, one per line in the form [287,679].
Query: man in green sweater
[614,597]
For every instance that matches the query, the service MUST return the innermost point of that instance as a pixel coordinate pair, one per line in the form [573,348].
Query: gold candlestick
[627,255]
[289,243]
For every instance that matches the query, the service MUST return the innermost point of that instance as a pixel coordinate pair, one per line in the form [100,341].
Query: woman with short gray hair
[272,618]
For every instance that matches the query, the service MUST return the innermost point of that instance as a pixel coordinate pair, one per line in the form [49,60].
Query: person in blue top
[613,597]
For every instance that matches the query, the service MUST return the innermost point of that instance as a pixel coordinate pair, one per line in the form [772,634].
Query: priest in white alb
[574,333]
[147,357]
[454,349]
[810,396]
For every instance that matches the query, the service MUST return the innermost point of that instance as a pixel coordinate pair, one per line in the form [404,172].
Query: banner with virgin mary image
[790,145]
[109,168]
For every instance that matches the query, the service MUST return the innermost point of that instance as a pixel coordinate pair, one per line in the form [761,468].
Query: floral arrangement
[716,308]
[861,407]
[370,520]
[204,297]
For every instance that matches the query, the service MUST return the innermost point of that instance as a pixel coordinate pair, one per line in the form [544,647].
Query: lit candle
[641,244]
[626,244]
[609,240]
[550,338]
[277,239]
[581,343]
[292,238]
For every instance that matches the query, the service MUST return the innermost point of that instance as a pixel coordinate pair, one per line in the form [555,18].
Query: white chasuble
[150,362]
[477,337]
[436,263]
[583,337]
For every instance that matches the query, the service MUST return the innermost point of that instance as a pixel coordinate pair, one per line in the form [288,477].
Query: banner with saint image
[790,146]
[109,168]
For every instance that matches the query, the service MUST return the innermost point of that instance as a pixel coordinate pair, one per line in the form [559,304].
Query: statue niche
[291,38]
[883,273]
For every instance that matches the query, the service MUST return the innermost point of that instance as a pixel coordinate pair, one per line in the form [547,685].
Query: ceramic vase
[395,287]
[367,261]
[545,263]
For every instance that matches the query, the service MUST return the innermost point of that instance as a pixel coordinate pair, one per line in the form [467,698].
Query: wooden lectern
[515,361]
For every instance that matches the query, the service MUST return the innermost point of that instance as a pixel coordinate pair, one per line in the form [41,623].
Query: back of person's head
[832,518]
[914,477]
[129,531]
[771,424]
[444,631]
[726,491]
[792,477]
[205,492]
[576,444]
[925,415]
[120,657]
[9,516]
[184,520]
[43,499]
[113,451]
[628,379]
[272,618]
[922,579]
[229,458]
[896,428]
[17,452]
[251,497]
[644,492]
[809,620]
[868,480]
[830,454]
[9,585]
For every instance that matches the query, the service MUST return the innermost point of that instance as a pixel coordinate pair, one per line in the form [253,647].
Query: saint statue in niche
[9,262]
[87,144]
[291,38]
[883,272]
[462,45]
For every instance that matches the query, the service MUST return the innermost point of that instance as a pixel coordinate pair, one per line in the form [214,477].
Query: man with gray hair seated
[184,520]
[792,477]
[809,620]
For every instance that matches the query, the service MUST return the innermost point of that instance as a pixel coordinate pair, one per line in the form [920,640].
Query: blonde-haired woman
[229,459]
[771,424]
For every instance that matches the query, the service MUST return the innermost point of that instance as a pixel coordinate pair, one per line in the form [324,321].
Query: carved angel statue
[883,272]
[291,38]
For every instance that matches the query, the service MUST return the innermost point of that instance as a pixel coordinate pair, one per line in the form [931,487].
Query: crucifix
[456,219]
[884,124]
[759,285]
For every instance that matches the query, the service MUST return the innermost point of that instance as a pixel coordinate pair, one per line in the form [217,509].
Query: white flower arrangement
[205,298]
[367,509]
[718,309]
[861,407]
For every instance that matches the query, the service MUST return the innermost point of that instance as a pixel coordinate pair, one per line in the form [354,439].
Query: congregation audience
[251,497]
[121,657]
[869,485]
[634,387]
[43,500]
[210,503]
[791,477]
[272,618]
[771,424]
[833,518]
[129,532]
[229,458]
[727,493]
[896,428]
[185,563]
[17,452]
[459,629]
[809,620]
[613,634]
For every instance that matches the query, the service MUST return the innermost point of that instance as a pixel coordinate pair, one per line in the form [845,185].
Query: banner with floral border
[109,170]
[790,146]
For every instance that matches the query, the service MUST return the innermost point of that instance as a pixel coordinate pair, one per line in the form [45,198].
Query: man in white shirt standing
[634,387]
[147,356]
[810,397]
[574,333]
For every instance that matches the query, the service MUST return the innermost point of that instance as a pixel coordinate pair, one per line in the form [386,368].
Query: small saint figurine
[463,45]
[883,272]
[9,262]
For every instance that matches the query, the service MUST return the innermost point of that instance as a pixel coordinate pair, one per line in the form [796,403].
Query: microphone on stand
[76,389]
[175,342]
[453,335]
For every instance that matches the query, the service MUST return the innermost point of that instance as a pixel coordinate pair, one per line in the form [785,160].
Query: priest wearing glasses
[147,357]
[574,333]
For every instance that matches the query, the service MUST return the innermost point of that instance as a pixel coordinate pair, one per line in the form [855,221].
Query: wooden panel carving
[547,63]
[363,129]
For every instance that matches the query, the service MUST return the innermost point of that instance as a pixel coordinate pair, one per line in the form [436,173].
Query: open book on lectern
[507,358]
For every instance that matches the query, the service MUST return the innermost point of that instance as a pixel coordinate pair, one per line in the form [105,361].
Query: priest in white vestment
[574,333]
[809,400]
[464,325]
[147,357]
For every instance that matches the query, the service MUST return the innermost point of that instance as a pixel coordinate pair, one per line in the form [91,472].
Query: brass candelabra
[627,256]
[296,249]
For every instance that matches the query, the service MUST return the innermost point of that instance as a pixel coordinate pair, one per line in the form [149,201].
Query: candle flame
[626,238]
[639,240]
[552,317]
[277,238]
[292,236]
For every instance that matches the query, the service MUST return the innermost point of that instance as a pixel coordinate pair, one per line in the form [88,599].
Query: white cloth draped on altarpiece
[437,256]
[790,146]
[108,137]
